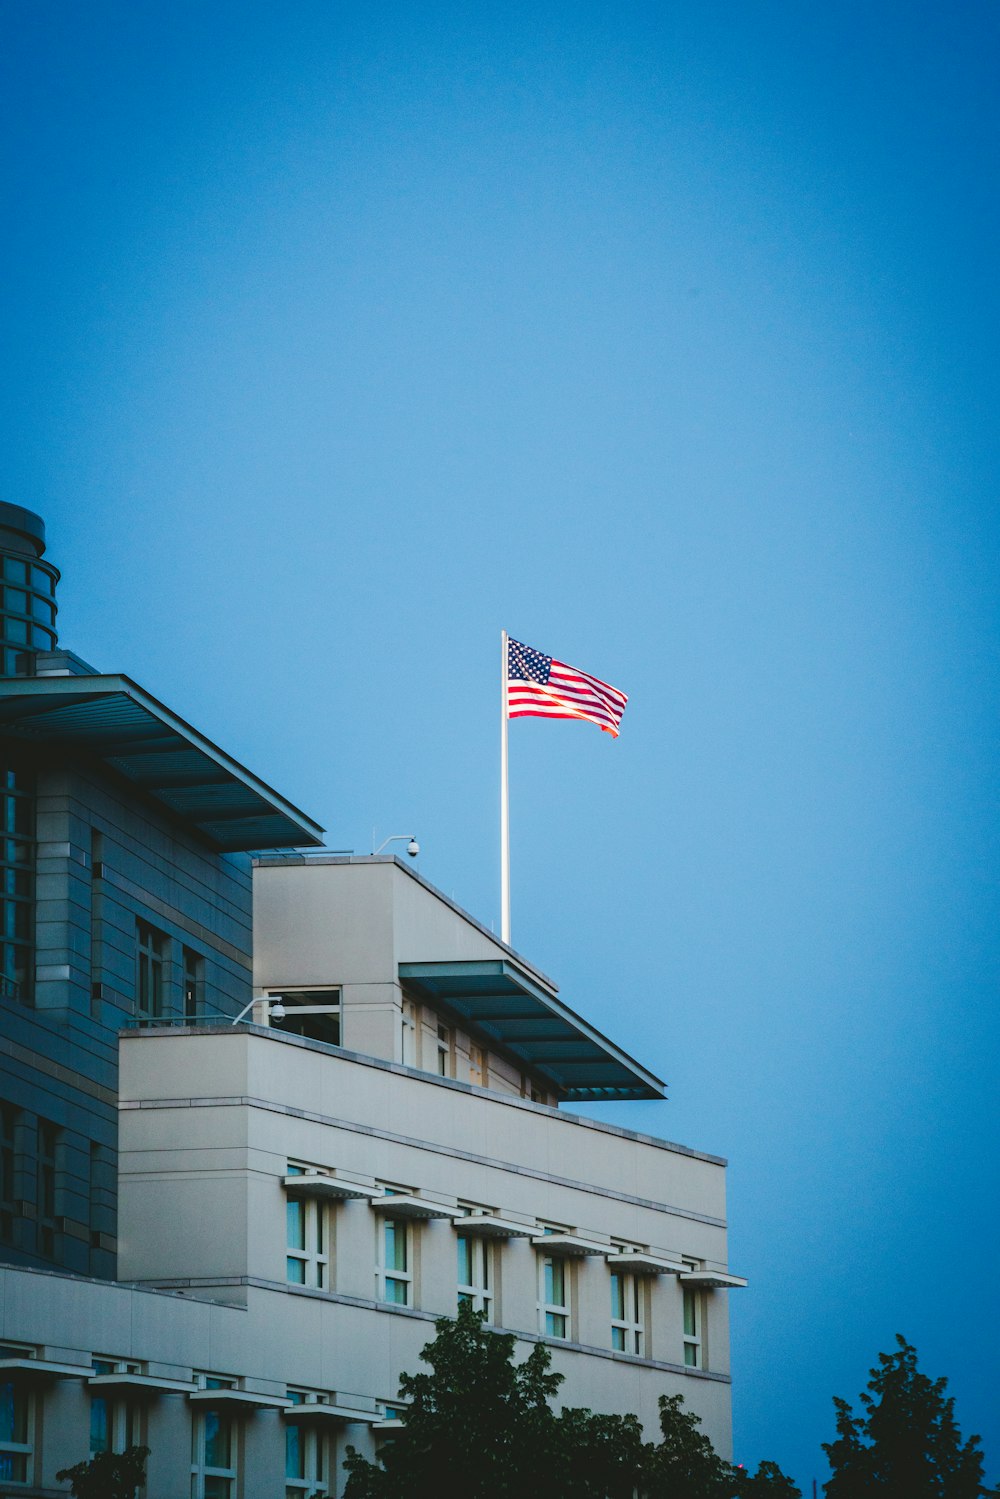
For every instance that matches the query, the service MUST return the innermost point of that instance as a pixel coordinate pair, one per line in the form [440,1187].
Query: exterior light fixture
[412,846]
[275,1012]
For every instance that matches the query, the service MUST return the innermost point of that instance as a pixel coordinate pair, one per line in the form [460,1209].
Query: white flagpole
[504,805]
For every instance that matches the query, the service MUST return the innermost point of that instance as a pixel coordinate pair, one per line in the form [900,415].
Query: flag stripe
[540,687]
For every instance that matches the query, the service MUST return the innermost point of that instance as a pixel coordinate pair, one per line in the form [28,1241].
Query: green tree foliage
[109,1475]
[905,1442]
[767,1483]
[684,1464]
[482,1426]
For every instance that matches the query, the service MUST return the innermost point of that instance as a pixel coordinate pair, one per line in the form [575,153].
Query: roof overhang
[114,721]
[501,1001]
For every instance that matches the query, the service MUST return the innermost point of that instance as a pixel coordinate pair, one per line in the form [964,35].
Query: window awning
[492,1226]
[317,1413]
[636,1262]
[712,1280]
[137,1383]
[114,721]
[327,1188]
[408,1205]
[505,1004]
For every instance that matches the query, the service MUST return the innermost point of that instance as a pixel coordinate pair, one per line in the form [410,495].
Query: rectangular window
[151,952]
[306,1456]
[692,1327]
[48,1144]
[443,1050]
[313,1013]
[17,868]
[627,1331]
[475,1278]
[15,1442]
[553,1296]
[194,986]
[213,1447]
[307,1260]
[394,1274]
[114,1422]
[8,1199]
[410,1050]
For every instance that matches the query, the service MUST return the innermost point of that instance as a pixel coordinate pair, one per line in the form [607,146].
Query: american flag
[539,687]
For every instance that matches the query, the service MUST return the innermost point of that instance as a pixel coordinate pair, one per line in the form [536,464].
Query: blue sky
[340,337]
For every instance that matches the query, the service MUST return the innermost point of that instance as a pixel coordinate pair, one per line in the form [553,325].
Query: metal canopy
[113,720]
[502,1002]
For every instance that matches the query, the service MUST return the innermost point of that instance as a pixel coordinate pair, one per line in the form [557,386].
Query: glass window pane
[216,1440]
[464,1260]
[13,1414]
[15,569]
[618,1338]
[295,1462]
[295,1271]
[396,1291]
[690,1313]
[295,1216]
[395,1245]
[98,1424]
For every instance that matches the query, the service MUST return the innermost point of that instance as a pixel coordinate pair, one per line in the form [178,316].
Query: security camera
[413,848]
[277,1012]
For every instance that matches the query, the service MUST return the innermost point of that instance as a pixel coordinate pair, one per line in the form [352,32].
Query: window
[306,1455]
[8,1199]
[394,1272]
[626,1313]
[48,1143]
[213,1447]
[553,1296]
[410,1050]
[693,1323]
[114,1421]
[475,1277]
[17,862]
[307,1261]
[314,1013]
[151,949]
[15,1432]
[443,1051]
[194,985]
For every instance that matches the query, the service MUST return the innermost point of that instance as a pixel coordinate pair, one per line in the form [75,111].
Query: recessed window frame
[307,1450]
[475,1272]
[17,1423]
[213,1480]
[628,1321]
[152,948]
[693,1321]
[443,1047]
[394,1262]
[308,1227]
[120,1417]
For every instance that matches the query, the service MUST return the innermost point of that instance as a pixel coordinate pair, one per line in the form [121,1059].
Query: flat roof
[113,720]
[503,1002]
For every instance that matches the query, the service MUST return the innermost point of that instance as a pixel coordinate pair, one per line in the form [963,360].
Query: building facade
[266,1113]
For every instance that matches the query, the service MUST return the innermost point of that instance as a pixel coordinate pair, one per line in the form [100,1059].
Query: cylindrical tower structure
[27,592]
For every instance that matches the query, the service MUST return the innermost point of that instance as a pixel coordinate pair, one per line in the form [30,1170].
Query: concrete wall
[349,923]
[210,1122]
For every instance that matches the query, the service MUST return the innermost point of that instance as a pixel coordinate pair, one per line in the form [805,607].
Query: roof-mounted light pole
[412,846]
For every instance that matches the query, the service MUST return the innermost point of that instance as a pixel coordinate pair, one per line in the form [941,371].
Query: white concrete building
[300,1198]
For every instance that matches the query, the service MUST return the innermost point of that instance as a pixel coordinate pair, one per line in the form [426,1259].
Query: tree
[684,1464]
[480,1426]
[905,1441]
[767,1483]
[109,1475]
